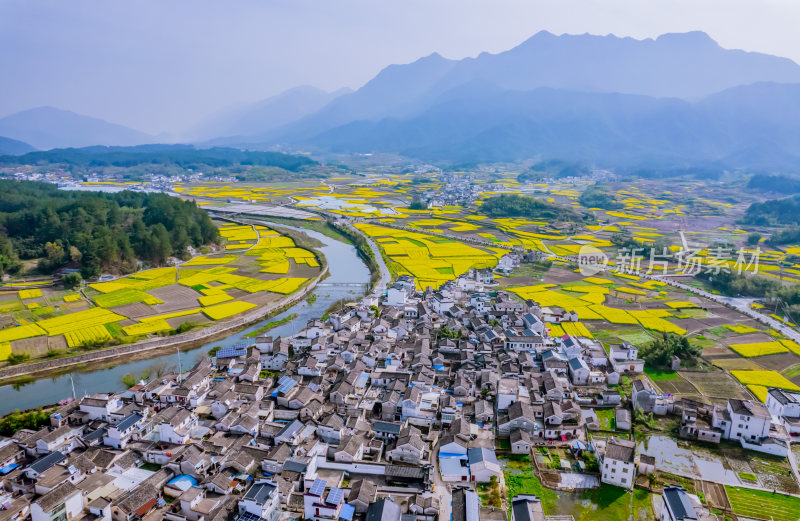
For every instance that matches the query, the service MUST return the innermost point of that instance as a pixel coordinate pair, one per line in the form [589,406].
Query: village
[408,406]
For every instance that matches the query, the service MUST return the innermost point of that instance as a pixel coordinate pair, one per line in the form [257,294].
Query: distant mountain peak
[51,127]
[433,59]
[542,35]
[690,38]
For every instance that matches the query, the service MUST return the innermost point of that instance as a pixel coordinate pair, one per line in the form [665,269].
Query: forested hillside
[95,231]
[513,205]
[185,156]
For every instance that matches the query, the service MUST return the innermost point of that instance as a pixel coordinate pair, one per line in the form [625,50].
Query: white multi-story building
[749,420]
[321,507]
[178,429]
[100,406]
[262,500]
[120,434]
[782,403]
[63,502]
[617,464]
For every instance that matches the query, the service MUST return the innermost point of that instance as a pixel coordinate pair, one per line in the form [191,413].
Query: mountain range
[677,100]
[13,147]
[250,121]
[48,127]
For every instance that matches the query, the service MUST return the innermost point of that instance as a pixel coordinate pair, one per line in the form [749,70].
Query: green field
[609,502]
[660,375]
[528,483]
[636,336]
[763,505]
[607,420]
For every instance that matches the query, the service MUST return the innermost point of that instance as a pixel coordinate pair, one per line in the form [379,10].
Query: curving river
[346,269]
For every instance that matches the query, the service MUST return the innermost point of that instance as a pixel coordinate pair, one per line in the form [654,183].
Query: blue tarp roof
[347,512]
[183,482]
[452,455]
[8,468]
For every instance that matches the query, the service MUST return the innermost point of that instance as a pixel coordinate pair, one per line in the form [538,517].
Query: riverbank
[152,347]
[140,350]
[347,279]
[345,232]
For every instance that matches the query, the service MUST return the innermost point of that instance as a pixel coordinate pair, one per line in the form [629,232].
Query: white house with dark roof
[526,508]
[483,464]
[100,406]
[785,405]
[750,420]
[624,358]
[261,500]
[617,463]
[578,371]
[63,502]
[119,435]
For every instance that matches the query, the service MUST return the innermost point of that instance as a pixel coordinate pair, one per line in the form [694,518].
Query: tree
[17,420]
[753,239]
[590,459]
[129,380]
[95,231]
[417,204]
[660,351]
[595,197]
[71,280]
[735,284]
[75,254]
[18,358]
[159,369]
[513,205]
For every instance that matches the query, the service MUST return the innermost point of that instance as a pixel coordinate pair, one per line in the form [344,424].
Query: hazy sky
[160,66]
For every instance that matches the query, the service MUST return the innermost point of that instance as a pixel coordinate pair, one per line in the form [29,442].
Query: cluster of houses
[386,411]
[458,190]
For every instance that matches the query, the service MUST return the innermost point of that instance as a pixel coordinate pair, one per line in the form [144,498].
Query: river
[346,270]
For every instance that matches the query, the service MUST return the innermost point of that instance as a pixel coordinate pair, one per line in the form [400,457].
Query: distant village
[151,183]
[397,409]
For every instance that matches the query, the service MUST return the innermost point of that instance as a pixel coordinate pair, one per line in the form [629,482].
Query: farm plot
[432,260]
[36,346]
[773,472]
[715,495]
[762,504]
[175,298]
[736,363]
[92,335]
[125,296]
[758,349]
[758,382]
[678,387]
[778,362]
[151,301]
[715,385]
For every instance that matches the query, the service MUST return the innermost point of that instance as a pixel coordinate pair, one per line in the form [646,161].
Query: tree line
[185,156]
[95,231]
[513,205]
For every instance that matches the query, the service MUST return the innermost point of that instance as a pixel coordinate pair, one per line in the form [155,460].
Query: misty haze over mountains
[679,99]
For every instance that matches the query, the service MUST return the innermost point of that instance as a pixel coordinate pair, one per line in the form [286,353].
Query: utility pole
[180,368]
